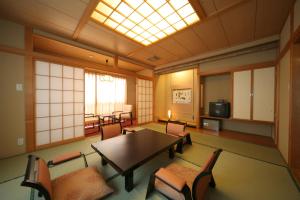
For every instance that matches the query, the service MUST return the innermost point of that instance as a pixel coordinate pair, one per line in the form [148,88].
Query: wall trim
[189,65]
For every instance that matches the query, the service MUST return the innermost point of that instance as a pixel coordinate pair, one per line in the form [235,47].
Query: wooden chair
[177,129]
[179,182]
[91,123]
[75,185]
[112,130]
[124,115]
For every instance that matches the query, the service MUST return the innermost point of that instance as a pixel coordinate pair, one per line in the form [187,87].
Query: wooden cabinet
[254,94]
[242,95]
[263,94]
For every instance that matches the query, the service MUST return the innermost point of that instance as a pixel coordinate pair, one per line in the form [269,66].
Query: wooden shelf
[210,117]
[243,120]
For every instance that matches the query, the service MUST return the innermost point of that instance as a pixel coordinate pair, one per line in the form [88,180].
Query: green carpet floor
[243,171]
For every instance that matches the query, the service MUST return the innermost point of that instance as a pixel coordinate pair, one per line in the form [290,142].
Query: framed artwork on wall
[182,96]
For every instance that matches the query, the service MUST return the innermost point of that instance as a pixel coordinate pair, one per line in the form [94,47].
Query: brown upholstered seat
[65,157]
[177,182]
[177,129]
[83,184]
[124,115]
[110,131]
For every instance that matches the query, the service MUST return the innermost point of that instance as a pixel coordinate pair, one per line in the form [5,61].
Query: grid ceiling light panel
[145,21]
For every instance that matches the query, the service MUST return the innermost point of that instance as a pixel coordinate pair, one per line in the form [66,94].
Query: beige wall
[12,118]
[12,102]
[285,33]
[160,101]
[215,88]
[146,72]
[178,80]
[241,60]
[131,93]
[284,85]
[11,34]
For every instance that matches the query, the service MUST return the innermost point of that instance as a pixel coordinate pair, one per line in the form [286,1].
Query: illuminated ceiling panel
[145,21]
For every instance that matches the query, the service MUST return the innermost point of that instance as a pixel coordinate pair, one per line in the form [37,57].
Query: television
[219,109]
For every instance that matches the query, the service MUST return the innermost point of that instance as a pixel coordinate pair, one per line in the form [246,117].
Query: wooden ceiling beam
[198,8]
[85,17]
[116,61]
[227,8]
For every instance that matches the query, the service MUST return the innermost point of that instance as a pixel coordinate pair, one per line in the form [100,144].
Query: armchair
[91,123]
[177,129]
[125,114]
[76,185]
[179,182]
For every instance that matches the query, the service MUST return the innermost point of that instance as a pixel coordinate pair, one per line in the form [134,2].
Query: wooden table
[127,152]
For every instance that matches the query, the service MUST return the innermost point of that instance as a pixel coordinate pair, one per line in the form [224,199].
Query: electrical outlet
[19,87]
[20,141]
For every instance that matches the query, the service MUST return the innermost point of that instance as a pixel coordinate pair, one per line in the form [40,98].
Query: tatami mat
[240,173]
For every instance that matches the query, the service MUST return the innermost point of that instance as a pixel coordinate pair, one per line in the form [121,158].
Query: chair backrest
[37,176]
[202,181]
[127,108]
[175,127]
[111,130]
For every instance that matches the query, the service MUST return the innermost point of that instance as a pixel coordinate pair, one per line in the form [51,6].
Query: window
[144,101]
[104,94]
[59,101]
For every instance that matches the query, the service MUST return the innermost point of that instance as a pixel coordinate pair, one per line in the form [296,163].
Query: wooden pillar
[29,91]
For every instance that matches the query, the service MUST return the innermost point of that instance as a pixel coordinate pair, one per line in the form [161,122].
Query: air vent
[153,58]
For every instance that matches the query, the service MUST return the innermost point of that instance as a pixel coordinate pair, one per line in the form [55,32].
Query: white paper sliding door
[242,95]
[263,94]
[59,102]
[144,101]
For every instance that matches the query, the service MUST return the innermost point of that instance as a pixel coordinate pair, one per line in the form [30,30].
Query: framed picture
[182,96]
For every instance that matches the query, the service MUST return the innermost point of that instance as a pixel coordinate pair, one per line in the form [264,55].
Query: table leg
[103,162]
[171,152]
[129,181]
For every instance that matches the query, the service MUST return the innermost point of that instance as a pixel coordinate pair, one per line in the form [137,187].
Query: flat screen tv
[219,109]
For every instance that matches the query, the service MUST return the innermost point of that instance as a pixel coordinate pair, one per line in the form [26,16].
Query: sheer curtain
[104,93]
[90,93]
[111,94]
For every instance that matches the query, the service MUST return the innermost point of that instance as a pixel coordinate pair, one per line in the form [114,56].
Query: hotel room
[150,99]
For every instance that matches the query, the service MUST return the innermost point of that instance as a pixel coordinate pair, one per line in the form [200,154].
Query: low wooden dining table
[126,153]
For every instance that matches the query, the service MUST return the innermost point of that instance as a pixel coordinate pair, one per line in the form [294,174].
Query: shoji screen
[144,101]
[59,102]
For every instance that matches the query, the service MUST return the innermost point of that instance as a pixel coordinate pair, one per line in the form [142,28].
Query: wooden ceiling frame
[198,8]
[227,8]
[85,18]
[206,17]
[108,17]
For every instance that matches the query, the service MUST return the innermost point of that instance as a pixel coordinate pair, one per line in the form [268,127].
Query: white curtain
[109,94]
[90,93]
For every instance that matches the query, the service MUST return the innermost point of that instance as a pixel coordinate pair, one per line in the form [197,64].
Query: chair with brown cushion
[110,131]
[67,157]
[83,184]
[124,115]
[179,182]
[177,129]
[91,124]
